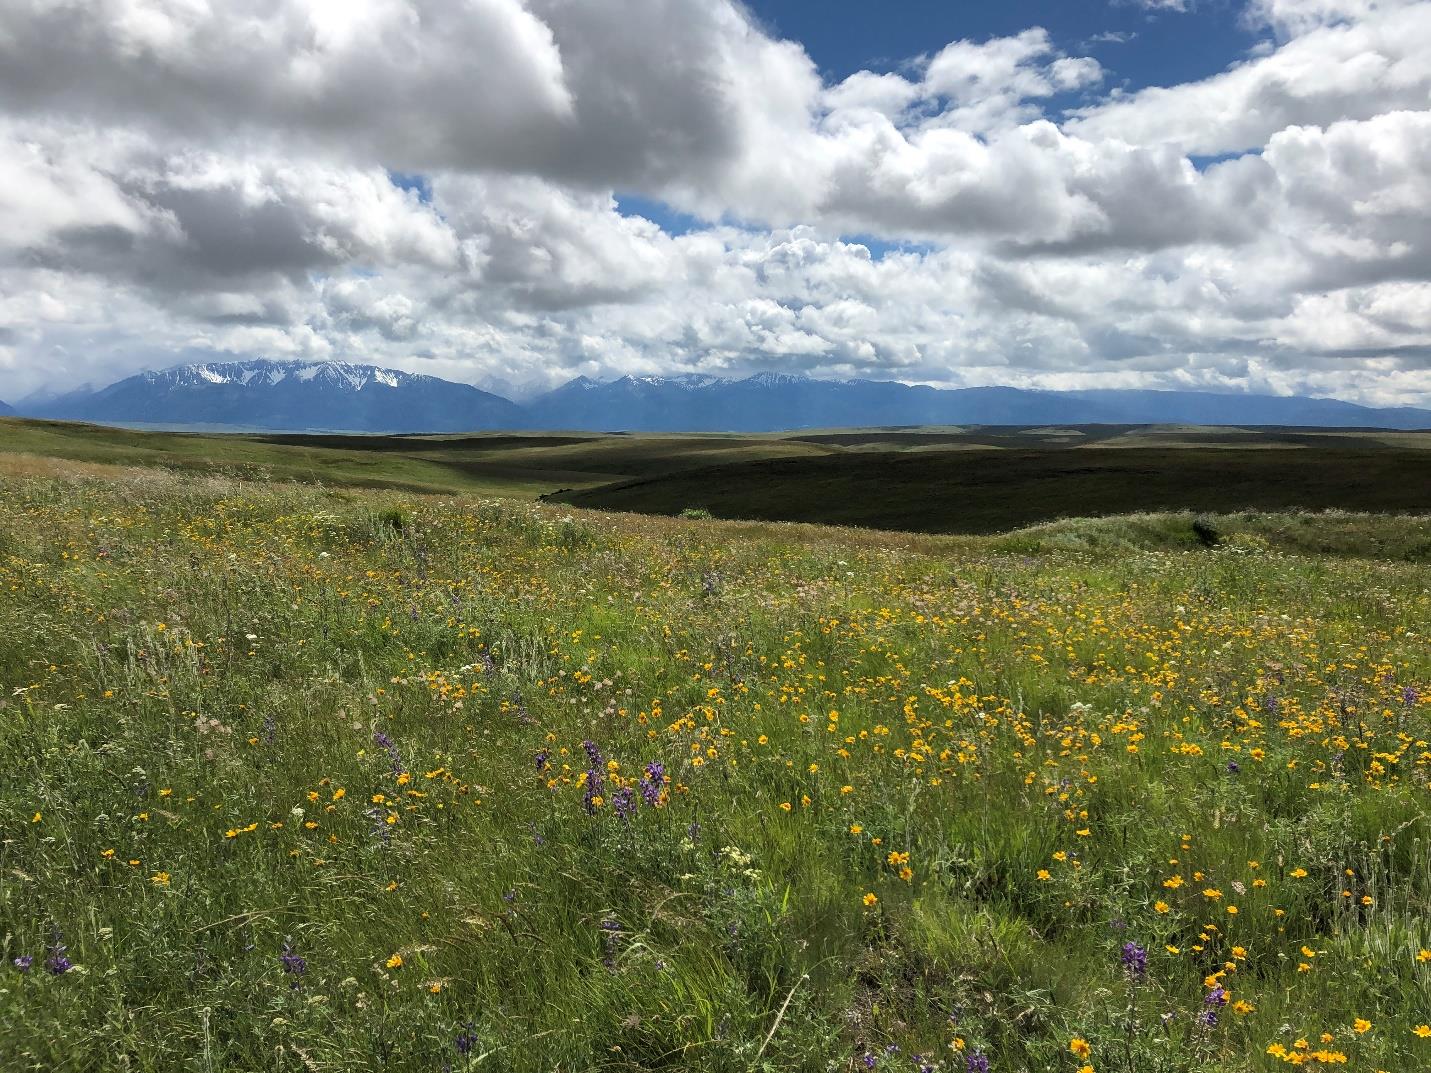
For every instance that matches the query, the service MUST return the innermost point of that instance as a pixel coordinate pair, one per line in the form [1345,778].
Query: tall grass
[297,779]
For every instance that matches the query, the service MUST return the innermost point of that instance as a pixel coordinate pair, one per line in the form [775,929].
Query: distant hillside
[341,396]
[288,396]
[5,411]
[997,490]
[769,402]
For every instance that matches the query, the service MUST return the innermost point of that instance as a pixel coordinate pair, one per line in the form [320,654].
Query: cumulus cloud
[182,177]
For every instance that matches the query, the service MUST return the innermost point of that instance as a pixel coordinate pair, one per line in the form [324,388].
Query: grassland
[956,480]
[305,778]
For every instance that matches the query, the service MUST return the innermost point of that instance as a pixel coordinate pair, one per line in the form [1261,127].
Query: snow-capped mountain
[292,396]
[342,396]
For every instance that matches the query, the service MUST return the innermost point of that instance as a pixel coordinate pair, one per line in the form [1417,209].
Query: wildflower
[1135,960]
[976,1063]
[1079,1047]
[58,961]
[160,879]
[1423,955]
[1423,1031]
[466,1039]
[1361,1026]
[395,962]
[23,962]
[294,964]
[870,898]
[652,783]
[624,802]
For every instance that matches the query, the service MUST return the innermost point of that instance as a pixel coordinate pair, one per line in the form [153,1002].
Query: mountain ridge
[296,396]
[311,396]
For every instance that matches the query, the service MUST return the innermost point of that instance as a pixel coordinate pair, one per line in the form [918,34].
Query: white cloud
[183,176]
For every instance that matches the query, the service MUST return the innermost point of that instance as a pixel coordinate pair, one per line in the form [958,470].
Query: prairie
[316,778]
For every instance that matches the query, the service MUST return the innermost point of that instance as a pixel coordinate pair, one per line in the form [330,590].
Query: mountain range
[341,396]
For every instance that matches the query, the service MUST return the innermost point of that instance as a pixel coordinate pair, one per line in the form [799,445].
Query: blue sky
[1160,46]
[1138,44]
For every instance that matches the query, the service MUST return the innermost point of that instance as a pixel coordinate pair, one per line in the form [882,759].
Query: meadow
[970,479]
[342,779]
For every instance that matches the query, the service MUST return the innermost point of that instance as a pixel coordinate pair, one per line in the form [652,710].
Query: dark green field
[926,480]
[992,491]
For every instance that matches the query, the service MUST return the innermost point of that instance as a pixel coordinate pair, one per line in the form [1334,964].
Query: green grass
[940,480]
[244,720]
[962,491]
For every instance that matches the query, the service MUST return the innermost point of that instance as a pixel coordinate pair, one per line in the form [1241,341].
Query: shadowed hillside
[990,491]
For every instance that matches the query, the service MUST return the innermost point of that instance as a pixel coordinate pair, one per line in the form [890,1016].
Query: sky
[1225,195]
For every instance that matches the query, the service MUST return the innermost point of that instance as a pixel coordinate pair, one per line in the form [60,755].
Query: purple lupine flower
[976,1062]
[466,1039]
[379,828]
[624,802]
[922,1063]
[593,791]
[1135,960]
[693,832]
[386,743]
[294,963]
[869,1060]
[1409,696]
[270,728]
[23,962]
[58,961]
[1214,1001]
[654,780]
[594,776]
[543,759]
[1233,767]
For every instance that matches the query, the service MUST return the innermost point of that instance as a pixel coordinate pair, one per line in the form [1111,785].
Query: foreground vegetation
[302,779]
